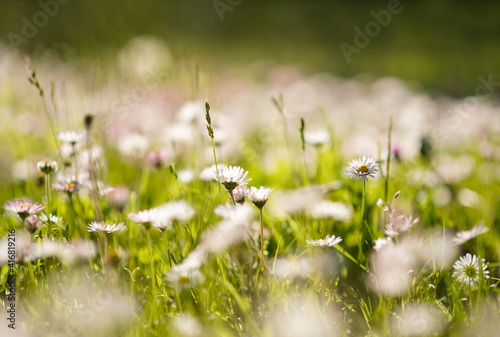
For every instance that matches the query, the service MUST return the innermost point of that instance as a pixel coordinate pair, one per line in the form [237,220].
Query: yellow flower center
[470,271]
[363,169]
[183,280]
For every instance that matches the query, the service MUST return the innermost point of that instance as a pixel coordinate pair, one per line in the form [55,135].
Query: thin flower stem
[151,259]
[231,196]
[47,193]
[261,266]
[363,202]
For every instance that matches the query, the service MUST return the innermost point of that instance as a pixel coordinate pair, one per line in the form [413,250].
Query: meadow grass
[137,282]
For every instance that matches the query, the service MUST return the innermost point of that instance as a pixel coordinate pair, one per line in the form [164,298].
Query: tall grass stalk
[386,187]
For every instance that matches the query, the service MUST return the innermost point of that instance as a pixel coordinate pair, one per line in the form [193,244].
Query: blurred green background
[441,45]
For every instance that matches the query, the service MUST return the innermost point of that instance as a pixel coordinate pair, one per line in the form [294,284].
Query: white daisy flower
[400,224]
[329,241]
[468,269]
[231,177]
[362,168]
[23,208]
[259,196]
[331,210]
[464,236]
[101,226]
[71,137]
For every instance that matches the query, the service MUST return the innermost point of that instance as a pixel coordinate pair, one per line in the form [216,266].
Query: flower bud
[47,166]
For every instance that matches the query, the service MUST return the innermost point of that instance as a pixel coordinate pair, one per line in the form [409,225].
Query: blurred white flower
[23,170]
[317,138]
[469,198]
[77,251]
[191,111]
[145,58]
[301,199]
[179,133]
[119,196]
[331,210]
[302,318]
[163,216]
[329,241]
[183,277]
[145,217]
[293,268]
[442,196]
[438,250]
[52,218]
[185,176]
[187,325]
[464,236]
[231,230]
[468,270]
[170,212]
[392,270]
[400,224]
[133,145]
[415,320]
[71,137]
[382,242]
[234,212]
[362,168]
[156,158]
[210,173]
[97,157]
[71,182]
